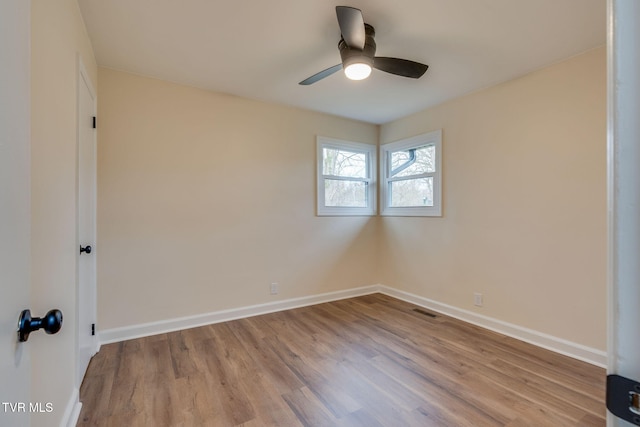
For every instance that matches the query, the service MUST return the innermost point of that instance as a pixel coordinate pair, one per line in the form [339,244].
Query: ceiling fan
[358,48]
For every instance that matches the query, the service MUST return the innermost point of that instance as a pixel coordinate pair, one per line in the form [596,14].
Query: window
[411,176]
[346,183]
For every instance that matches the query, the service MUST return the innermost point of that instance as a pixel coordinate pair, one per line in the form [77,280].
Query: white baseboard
[549,342]
[72,411]
[163,326]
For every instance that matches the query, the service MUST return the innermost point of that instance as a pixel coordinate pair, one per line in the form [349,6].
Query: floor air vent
[426,313]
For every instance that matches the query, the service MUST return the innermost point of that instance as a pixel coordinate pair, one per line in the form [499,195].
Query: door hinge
[623,398]
[94,122]
[93,329]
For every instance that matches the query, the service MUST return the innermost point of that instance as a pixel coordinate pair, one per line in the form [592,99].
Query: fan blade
[351,26]
[321,75]
[400,67]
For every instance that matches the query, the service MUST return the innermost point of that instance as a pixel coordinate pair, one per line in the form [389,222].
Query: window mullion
[406,178]
[346,178]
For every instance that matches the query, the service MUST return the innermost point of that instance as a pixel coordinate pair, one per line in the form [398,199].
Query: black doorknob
[86,249]
[51,323]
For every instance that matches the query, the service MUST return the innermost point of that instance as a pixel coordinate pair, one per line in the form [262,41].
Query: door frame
[623,191]
[83,78]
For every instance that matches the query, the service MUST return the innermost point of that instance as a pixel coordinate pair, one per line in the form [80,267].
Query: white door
[15,219]
[87,342]
[624,197]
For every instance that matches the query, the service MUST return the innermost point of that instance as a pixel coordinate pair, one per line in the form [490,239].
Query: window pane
[411,192]
[413,162]
[344,163]
[345,193]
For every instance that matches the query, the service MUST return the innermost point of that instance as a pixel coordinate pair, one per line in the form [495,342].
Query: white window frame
[431,138]
[370,151]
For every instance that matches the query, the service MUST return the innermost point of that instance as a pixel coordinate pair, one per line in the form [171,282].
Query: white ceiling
[261,49]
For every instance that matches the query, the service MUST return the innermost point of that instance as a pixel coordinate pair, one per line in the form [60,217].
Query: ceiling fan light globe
[357,71]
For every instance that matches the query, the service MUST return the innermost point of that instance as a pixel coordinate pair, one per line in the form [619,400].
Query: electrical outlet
[477,299]
[274,289]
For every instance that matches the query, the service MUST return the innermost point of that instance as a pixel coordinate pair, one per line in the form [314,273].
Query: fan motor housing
[352,55]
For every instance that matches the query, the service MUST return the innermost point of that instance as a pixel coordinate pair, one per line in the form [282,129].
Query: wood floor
[367,361]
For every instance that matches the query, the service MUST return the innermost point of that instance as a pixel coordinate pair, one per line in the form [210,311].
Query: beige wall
[524,204]
[57,37]
[205,199]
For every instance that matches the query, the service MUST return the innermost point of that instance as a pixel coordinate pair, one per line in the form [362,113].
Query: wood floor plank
[444,398]
[359,418]
[569,395]
[308,409]
[329,392]
[538,396]
[198,404]
[98,394]
[271,412]
[227,380]
[282,379]
[128,382]
[536,416]
[181,355]
[367,361]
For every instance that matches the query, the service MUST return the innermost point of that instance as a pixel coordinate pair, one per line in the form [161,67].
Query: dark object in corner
[425,312]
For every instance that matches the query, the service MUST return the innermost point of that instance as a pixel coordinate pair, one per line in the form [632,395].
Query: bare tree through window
[346,177]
